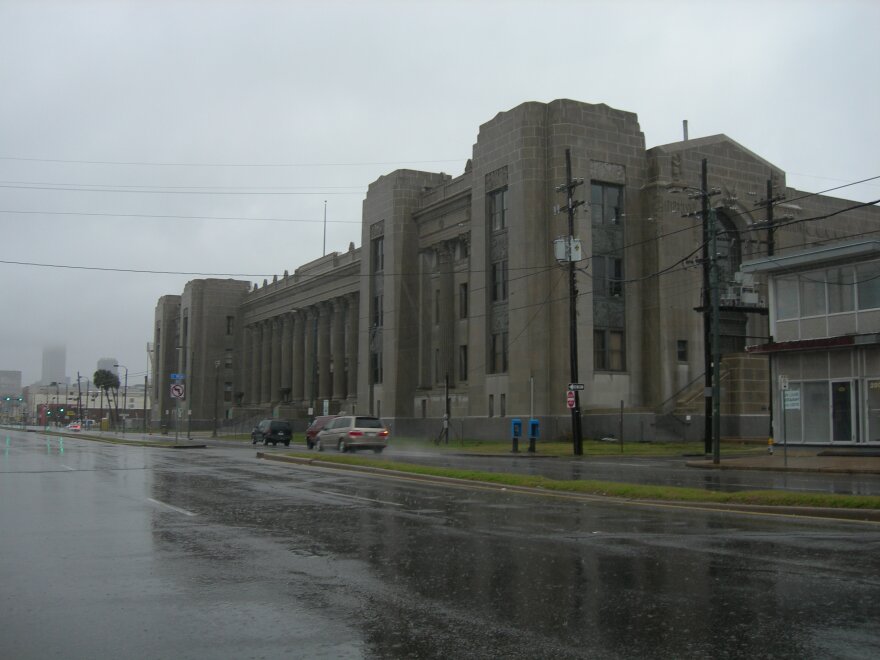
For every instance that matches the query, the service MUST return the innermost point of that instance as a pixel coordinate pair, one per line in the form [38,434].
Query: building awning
[825,343]
[811,258]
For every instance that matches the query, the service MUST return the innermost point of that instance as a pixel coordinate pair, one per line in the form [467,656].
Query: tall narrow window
[498,356]
[607,276]
[497,209]
[230,324]
[491,405]
[499,281]
[463,362]
[436,306]
[609,350]
[378,255]
[377,311]
[376,367]
[606,203]
[681,347]
[463,300]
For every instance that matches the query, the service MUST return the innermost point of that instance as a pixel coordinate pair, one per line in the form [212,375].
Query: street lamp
[124,394]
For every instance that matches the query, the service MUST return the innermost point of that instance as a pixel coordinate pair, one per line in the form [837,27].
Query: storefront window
[815,405]
[786,298]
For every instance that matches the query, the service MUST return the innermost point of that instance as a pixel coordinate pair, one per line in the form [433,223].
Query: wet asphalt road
[662,471]
[115,551]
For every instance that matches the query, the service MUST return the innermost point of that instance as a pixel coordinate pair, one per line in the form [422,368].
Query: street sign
[569,400]
[177,391]
[783,383]
[792,399]
[178,376]
[575,387]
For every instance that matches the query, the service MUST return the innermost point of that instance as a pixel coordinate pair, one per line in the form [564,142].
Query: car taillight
[355,434]
[383,433]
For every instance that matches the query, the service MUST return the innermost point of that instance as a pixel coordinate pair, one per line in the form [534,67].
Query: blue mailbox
[534,433]
[516,429]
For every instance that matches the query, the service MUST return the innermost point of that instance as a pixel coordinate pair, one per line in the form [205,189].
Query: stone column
[266,361]
[351,342]
[446,334]
[337,349]
[256,363]
[275,371]
[324,391]
[310,355]
[286,354]
[298,351]
[244,363]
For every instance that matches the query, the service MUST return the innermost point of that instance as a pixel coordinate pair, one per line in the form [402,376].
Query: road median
[826,505]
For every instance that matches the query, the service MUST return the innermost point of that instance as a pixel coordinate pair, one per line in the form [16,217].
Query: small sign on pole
[177,391]
[569,400]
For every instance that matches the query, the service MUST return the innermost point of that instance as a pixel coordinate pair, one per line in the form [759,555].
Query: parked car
[315,427]
[272,430]
[348,433]
[74,426]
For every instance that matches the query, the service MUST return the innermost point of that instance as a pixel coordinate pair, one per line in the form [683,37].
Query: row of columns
[304,355]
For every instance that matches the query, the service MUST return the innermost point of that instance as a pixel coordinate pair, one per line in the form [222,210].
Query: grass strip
[621,490]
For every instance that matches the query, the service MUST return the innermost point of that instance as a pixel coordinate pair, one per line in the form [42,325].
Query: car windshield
[368,423]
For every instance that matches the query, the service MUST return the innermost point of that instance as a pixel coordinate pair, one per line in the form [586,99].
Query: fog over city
[144,144]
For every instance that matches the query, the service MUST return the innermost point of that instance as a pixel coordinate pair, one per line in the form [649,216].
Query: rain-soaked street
[115,551]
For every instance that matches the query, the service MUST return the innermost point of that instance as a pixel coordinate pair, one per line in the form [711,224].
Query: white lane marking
[67,467]
[355,497]
[173,508]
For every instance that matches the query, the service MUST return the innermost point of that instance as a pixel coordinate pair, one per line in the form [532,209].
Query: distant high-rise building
[109,364]
[54,365]
[10,383]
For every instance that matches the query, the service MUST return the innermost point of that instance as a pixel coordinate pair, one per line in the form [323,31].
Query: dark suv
[272,430]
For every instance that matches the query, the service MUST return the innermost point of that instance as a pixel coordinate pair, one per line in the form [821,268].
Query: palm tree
[108,382]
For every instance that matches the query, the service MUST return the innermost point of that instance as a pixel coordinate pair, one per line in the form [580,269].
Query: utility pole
[716,340]
[709,304]
[708,391]
[146,382]
[572,204]
[769,203]
[78,399]
[216,388]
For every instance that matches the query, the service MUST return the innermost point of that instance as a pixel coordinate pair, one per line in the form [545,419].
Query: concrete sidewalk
[842,461]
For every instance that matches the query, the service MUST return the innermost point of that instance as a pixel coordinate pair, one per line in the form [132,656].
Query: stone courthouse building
[456,292]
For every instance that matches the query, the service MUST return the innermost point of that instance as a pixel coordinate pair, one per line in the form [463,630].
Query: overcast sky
[129,129]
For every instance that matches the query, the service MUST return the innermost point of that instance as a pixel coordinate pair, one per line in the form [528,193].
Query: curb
[706,465]
[839,514]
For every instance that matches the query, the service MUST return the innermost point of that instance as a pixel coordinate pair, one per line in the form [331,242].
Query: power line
[166,164]
[173,217]
[145,191]
[117,185]
[130,270]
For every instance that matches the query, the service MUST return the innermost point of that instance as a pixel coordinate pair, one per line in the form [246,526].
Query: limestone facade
[456,298]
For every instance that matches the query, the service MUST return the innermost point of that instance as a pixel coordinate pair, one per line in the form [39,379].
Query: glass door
[873,410]
[842,411]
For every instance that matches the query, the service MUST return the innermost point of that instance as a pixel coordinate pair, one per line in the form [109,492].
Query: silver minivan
[348,433]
